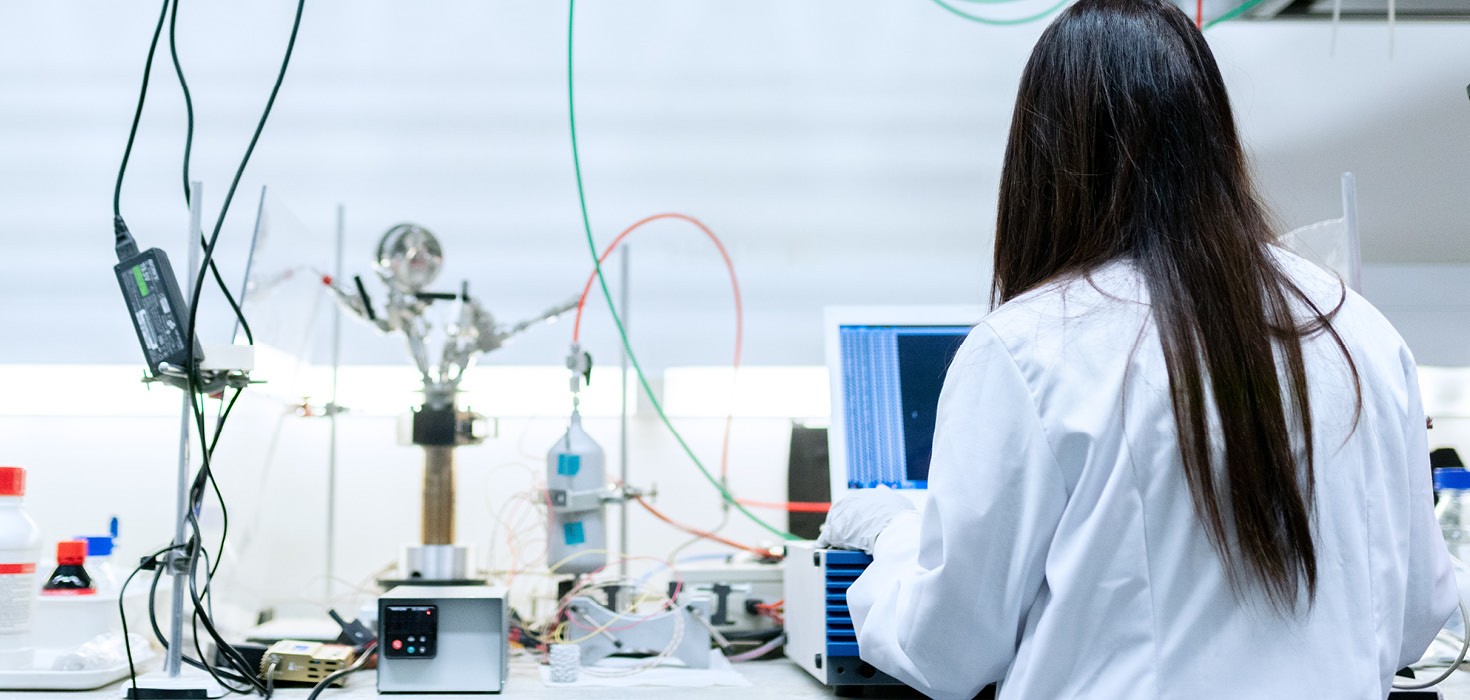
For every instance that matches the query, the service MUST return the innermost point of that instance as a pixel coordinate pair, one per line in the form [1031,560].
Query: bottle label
[69,591]
[17,597]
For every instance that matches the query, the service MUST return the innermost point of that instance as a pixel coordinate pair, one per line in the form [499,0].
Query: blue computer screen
[891,377]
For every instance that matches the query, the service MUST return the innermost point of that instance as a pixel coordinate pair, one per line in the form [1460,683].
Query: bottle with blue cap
[99,560]
[1453,509]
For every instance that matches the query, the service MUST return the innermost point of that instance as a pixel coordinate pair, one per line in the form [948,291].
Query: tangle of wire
[564,619]
[734,363]
[240,670]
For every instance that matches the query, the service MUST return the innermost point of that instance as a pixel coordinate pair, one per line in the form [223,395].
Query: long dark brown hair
[1123,146]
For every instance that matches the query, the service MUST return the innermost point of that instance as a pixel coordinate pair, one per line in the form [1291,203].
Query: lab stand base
[1425,694]
[190,684]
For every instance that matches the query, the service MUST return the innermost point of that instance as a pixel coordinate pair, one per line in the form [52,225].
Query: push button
[397,644]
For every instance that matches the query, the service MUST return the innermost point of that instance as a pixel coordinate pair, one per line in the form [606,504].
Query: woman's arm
[943,604]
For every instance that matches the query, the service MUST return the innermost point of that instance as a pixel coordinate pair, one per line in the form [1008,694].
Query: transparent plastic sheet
[104,651]
[289,311]
[1333,244]
[1324,243]
[285,299]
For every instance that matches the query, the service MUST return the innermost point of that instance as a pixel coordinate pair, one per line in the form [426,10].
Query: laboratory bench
[775,679]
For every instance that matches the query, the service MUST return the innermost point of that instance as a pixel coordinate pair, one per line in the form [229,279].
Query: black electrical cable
[199,649]
[356,666]
[196,495]
[173,51]
[234,660]
[196,545]
[205,476]
[123,613]
[230,195]
[223,648]
[137,115]
[193,380]
[158,632]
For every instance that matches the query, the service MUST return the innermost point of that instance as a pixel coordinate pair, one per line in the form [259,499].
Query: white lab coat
[1059,552]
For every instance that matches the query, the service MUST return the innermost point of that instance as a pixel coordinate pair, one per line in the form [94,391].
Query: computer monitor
[887,365]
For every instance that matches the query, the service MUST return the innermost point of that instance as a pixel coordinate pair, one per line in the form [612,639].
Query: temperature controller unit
[819,633]
[442,639]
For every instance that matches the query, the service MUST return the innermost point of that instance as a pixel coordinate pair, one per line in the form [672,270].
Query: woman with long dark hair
[1176,461]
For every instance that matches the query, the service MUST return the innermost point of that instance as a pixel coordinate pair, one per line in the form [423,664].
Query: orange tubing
[734,284]
[793,507]
[702,533]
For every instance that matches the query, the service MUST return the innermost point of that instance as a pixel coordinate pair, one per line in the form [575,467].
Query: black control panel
[410,631]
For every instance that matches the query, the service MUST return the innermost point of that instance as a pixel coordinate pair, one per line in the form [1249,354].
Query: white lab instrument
[887,365]
[681,631]
[733,589]
[1060,550]
[819,632]
[442,639]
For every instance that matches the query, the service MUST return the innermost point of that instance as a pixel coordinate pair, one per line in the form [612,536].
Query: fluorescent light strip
[752,392]
[365,390]
[503,391]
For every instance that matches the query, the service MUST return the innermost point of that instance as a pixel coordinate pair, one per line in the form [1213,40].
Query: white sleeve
[944,602]
[1431,594]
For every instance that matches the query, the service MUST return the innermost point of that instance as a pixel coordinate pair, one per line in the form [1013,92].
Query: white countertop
[775,679]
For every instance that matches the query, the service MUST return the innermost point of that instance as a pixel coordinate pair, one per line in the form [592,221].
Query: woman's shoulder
[1351,314]
[1097,300]
[1077,321]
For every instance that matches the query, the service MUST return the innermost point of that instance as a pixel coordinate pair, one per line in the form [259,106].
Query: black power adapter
[155,304]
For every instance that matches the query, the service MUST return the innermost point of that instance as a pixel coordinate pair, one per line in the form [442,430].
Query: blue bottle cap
[97,546]
[1451,479]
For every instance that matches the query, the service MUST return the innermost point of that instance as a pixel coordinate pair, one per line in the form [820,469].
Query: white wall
[846,150]
[273,473]
[1429,305]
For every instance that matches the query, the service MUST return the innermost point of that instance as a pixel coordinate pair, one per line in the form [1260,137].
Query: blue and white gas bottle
[577,534]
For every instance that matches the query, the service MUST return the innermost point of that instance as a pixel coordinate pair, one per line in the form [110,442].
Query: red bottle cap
[12,481]
[71,553]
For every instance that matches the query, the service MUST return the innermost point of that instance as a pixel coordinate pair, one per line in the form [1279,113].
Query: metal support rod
[332,411]
[623,308]
[1354,237]
[438,519]
[175,662]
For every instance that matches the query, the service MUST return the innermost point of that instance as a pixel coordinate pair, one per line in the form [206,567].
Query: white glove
[856,521]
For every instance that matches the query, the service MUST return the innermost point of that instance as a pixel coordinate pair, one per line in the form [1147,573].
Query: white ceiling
[847,150]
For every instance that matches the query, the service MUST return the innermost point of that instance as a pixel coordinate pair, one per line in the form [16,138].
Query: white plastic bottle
[577,531]
[1453,510]
[20,547]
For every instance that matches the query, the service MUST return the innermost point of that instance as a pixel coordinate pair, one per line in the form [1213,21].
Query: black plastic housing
[157,308]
